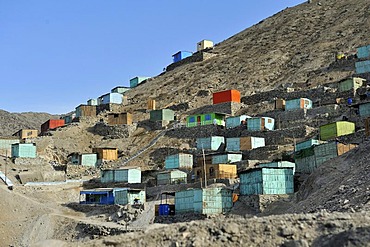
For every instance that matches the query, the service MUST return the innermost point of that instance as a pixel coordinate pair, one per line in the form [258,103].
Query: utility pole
[204,168]
[6,163]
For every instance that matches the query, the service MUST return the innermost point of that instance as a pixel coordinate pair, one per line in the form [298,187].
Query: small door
[199,120]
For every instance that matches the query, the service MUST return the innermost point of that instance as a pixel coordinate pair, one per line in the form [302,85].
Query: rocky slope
[295,47]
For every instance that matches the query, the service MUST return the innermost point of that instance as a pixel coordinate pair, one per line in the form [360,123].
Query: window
[115,115]
[211,172]
[269,120]
[207,117]
[191,119]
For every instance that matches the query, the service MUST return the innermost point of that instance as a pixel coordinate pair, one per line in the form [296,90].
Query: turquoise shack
[260,123]
[179,161]
[278,164]
[123,175]
[301,103]
[172,177]
[134,82]
[232,122]
[206,201]
[267,181]
[205,119]
[23,150]
[210,143]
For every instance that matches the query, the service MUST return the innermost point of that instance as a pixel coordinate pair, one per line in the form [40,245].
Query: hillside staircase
[141,151]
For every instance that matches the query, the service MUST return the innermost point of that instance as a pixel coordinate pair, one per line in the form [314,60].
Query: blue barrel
[164,209]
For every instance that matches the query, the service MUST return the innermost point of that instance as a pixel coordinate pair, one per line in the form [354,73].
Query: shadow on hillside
[93,209]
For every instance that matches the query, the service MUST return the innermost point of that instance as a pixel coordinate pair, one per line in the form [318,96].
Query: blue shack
[267,181]
[181,55]
[363,52]
[110,196]
[134,82]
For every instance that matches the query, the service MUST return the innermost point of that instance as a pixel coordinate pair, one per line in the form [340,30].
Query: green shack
[205,119]
[333,130]
[350,84]
[162,115]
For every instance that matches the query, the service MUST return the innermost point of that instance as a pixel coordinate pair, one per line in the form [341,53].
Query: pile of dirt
[341,184]
[321,229]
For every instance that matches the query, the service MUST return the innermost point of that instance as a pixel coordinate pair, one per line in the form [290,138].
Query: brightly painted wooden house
[333,130]
[52,124]
[205,119]
[178,56]
[267,181]
[226,96]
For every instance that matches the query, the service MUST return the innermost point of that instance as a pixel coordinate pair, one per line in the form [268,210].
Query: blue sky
[56,54]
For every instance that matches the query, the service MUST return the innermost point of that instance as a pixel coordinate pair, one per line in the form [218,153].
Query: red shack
[226,96]
[51,124]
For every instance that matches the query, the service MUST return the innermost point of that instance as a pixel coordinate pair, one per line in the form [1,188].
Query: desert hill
[293,49]
[12,122]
